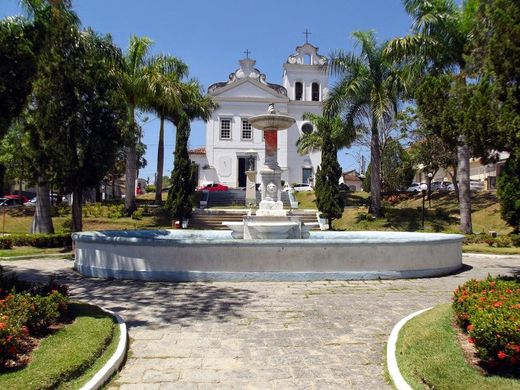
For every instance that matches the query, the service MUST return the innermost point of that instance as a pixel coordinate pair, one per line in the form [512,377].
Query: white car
[415,187]
[302,187]
[474,185]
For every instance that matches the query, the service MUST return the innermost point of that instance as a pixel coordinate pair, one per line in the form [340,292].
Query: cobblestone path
[284,335]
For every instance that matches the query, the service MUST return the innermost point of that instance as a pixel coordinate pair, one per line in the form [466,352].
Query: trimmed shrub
[489,311]
[6,243]
[58,240]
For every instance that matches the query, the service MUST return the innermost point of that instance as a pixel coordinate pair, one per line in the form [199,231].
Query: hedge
[59,240]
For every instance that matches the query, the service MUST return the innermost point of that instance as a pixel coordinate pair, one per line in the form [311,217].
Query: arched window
[315,92]
[298,91]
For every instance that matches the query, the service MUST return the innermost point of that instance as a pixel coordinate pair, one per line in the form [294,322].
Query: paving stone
[253,335]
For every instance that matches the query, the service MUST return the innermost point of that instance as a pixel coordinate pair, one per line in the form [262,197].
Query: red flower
[471,340]
[3,325]
[502,355]
[469,328]
[498,304]
[514,360]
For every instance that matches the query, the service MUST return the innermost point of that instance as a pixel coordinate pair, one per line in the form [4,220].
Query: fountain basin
[191,255]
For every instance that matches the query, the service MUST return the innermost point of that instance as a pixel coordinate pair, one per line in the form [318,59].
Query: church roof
[247,70]
[201,151]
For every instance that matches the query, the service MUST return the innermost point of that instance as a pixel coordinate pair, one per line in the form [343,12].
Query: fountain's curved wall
[182,255]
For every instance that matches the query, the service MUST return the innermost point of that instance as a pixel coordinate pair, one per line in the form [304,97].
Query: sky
[212,36]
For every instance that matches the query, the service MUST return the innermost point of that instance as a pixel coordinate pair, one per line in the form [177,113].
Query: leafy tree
[397,169]
[135,77]
[194,105]
[495,63]
[18,50]
[339,133]
[508,191]
[366,95]
[441,32]
[166,98]
[328,197]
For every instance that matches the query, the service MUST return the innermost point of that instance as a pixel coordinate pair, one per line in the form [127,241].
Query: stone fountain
[271,220]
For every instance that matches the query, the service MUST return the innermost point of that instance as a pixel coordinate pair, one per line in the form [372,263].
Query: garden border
[391,358]
[115,361]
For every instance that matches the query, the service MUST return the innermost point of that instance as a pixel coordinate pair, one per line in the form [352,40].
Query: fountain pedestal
[251,188]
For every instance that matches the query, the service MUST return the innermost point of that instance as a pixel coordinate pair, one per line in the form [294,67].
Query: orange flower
[498,304]
[3,325]
[469,328]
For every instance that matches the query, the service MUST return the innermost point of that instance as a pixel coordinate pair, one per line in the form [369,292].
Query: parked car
[302,187]
[415,187]
[213,187]
[7,202]
[17,198]
[474,185]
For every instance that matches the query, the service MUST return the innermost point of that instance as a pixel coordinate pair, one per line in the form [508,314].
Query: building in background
[230,139]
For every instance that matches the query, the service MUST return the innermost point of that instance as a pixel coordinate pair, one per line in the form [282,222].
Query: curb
[65,256]
[115,361]
[476,254]
[391,358]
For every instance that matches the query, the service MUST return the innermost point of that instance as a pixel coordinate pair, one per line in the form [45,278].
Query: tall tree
[135,75]
[166,86]
[328,198]
[194,105]
[368,95]
[441,32]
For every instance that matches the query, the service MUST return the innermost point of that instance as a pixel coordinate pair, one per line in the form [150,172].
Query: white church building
[230,139]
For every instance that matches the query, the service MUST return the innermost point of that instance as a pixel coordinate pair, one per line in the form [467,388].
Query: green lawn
[64,360]
[430,357]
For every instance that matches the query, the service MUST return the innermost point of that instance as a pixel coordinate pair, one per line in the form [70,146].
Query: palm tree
[341,135]
[166,74]
[135,76]
[366,95]
[439,44]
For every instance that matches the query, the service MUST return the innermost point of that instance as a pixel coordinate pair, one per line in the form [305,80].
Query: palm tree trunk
[463,155]
[375,174]
[42,221]
[131,167]
[160,164]
[77,211]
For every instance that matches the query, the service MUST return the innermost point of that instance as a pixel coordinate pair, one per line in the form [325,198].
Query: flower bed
[26,310]
[489,311]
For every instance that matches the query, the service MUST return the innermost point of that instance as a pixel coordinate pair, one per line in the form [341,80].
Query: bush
[489,310]
[27,308]
[137,214]
[162,216]
[150,188]
[515,239]
[58,240]
[6,243]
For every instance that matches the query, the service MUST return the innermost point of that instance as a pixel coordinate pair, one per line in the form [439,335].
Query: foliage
[37,240]
[508,191]
[26,308]
[489,310]
[495,61]
[98,210]
[18,49]
[366,96]
[397,168]
[179,200]
[339,133]
[328,198]
[15,154]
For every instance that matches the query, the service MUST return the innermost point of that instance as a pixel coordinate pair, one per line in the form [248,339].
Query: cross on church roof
[247,52]
[307,33]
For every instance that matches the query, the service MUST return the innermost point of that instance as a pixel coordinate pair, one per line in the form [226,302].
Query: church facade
[230,139]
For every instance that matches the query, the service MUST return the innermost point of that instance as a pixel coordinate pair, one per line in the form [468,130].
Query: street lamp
[430,176]
[424,188]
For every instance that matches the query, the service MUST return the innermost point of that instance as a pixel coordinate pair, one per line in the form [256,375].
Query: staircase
[236,198]
[212,219]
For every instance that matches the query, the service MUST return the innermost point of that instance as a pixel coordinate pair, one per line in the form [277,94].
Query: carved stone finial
[270,109]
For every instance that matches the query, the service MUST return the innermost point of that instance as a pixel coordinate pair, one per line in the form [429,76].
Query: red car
[213,187]
[17,197]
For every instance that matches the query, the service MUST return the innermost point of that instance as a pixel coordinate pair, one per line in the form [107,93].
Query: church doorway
[242,178]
